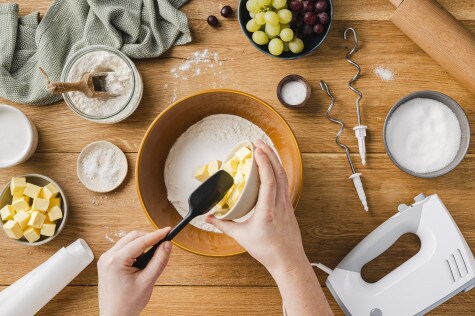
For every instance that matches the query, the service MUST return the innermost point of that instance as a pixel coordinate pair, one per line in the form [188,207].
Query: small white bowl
[31,133]
[93,185]
[40,180]
[249,194]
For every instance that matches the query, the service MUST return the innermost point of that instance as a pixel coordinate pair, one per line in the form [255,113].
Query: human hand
[271,235]
[124,289]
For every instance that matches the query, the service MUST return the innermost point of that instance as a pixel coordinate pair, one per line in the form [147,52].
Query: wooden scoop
[203,199]
[92,84]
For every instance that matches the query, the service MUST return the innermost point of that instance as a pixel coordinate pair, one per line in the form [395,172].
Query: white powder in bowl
[294,92]
[120,84]
[423,135]
[209,139]
[102,166]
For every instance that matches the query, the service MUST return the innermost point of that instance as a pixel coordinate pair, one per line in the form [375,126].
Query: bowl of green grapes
[286,29]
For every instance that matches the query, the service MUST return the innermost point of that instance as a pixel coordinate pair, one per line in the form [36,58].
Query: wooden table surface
[330,214]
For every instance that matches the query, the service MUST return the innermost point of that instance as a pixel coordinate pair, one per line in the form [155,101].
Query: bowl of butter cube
[242,197]
[33,209]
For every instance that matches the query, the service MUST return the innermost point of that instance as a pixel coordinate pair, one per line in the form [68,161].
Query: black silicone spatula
[201,201]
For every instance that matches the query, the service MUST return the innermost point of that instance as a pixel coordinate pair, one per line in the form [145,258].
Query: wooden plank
[344,9]
[206,300]
[381,44]
[330,216]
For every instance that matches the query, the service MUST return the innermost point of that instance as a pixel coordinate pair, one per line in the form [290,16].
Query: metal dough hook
[360,130]
[356,177]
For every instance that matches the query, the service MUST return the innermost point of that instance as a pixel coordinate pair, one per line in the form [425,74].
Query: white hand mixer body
[442,268]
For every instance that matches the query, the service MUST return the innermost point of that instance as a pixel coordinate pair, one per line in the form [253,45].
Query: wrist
[284,268]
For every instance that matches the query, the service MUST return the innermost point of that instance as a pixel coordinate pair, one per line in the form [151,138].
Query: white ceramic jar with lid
[99,58]
[18,137]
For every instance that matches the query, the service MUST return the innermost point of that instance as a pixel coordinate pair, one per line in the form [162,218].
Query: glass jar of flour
[126,83]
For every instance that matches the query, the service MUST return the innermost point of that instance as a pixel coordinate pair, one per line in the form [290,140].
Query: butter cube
[40,205]
[234,197]
[13,229]
[55,202]
[36,219]
[239,179]
[214,166]
[22,218]
[48,229]
[55,213]
[243,153]
[245,166]
[231,165]
[32,234]
[222,204]
[17,186]
[201,174]
[32,190]
[20,204]
[7,212]
[21,196]
[50,191]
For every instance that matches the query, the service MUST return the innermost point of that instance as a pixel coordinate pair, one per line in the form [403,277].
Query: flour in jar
[120,83]
[209,139]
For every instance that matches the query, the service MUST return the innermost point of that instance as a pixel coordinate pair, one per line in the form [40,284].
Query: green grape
[276,46]
[272,30]
[286,46]
[279,4]
[284,26]
[271,18]
[286,35]
[253,6]
[260,38]
[260,18]
[264,2]
[252,26]
[252,14]
[285,16]
[296,45]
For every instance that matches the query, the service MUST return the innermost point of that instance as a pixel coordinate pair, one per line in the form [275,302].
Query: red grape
[321,6]
[307,30]
[323,17]
[318,28]
[213,21]
[307,6]
[309,18]
[295,5]
[227,11]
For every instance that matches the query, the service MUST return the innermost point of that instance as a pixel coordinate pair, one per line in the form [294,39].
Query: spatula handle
[142,261]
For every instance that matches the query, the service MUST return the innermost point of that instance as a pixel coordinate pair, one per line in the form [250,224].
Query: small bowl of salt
[293,91]
[102,166]
[426,134]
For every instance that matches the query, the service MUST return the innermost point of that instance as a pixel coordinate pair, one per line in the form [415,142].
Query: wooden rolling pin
[440,35]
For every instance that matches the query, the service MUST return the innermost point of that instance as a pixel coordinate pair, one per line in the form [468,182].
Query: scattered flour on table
[114,236]
[384,73]
[120,83]
[199,63]
[209,139]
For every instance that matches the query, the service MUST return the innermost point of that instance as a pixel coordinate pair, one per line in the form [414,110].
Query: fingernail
[260,142]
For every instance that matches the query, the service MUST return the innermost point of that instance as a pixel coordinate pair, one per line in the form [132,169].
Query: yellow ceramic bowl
[174,121]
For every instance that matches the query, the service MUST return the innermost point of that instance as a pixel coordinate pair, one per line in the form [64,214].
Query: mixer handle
[383,237]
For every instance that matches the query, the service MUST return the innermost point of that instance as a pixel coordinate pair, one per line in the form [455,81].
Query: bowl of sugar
[426,134]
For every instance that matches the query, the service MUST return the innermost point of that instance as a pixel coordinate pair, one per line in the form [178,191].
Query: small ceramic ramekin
[32,138]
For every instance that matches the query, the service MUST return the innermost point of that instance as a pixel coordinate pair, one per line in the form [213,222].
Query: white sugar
[423,135]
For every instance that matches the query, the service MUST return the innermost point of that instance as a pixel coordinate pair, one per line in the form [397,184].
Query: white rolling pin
[29,294]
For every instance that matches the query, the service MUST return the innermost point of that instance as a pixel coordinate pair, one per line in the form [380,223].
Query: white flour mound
[210,139]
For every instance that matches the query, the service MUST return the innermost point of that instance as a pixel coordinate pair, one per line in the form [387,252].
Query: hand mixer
[443,267]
